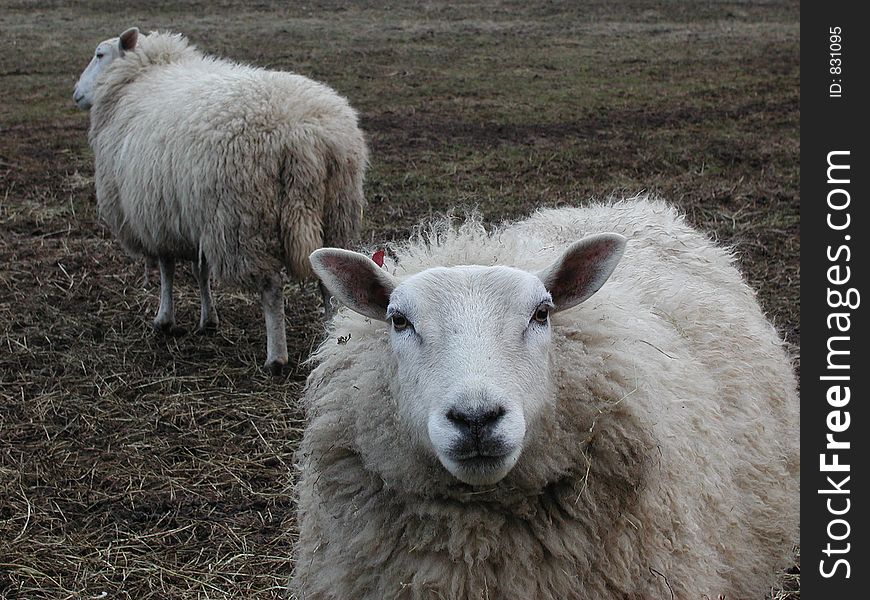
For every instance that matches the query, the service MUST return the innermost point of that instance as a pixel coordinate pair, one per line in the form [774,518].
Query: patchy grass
[134,466]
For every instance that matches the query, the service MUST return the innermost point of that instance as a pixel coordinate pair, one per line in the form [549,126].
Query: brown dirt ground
[136,466]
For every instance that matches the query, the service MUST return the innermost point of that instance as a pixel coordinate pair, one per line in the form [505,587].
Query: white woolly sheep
[241,170]
[505,436]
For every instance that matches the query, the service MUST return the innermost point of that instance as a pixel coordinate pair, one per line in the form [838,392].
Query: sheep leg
[328,310]
[276,336]
[164,322]
[208,317]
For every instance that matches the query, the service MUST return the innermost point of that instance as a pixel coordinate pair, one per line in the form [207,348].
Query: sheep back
[198,156]
[668,463]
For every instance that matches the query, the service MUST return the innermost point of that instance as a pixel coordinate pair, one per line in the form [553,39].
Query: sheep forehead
[453,292]
[107,45]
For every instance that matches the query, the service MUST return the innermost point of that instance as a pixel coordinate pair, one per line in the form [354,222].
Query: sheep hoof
[169,329]
[209,328]
[276,368]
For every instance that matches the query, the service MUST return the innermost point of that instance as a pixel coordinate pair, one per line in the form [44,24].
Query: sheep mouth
[481,463]
[481,468]
[472,447]
[81,103]
[480,456]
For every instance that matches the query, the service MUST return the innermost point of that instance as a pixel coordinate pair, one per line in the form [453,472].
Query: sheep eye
[542,314]
[400,322]
[99,55]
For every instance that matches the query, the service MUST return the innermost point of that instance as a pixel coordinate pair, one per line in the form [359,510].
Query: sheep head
[472,345]
[105,53]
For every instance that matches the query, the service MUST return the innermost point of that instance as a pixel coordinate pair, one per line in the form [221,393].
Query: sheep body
[666,465]
[244,169]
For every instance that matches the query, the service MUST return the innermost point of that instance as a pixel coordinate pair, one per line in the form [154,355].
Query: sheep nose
[477,424]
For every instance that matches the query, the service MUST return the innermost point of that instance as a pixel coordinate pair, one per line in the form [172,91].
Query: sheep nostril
[475,421]
[458,419]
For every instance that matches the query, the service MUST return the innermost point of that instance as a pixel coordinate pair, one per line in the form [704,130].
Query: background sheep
[494,442]
[241,170]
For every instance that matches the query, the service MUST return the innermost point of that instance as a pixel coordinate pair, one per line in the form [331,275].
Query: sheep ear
[354,279]
[128,39]
[582,269]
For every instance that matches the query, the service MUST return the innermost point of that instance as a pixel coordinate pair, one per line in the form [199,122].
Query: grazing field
[139,466]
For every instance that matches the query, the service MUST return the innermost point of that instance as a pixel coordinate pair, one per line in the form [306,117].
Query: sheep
[241,170]
[481,426]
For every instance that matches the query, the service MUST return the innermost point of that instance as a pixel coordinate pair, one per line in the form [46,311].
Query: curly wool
[666,466]
[198,156]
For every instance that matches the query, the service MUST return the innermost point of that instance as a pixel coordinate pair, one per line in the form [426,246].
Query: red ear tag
[378,257]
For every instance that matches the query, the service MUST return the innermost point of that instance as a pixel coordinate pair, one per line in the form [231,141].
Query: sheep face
[105,53]
[472,350]
[472,346]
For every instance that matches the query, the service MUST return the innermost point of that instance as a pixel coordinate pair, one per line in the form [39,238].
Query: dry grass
[134,465]
[137,466]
